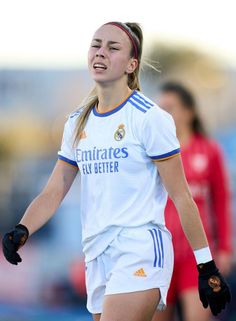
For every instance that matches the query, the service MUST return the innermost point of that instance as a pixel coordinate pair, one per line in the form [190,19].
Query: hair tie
[129,33]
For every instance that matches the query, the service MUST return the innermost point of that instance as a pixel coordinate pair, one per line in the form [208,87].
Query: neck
[111,96]
[184,135]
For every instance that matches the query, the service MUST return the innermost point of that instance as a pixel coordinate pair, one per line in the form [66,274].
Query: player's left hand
[212,287]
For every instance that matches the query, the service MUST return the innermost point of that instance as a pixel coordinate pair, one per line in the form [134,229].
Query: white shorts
[139,258]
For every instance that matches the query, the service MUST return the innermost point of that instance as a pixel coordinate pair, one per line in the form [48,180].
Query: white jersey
[120,184]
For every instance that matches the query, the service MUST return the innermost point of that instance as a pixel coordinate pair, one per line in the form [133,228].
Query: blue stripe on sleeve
[173,152]
[141,102]
[137,106]
[67,160]
[139,96]
[155,249]
[75,114]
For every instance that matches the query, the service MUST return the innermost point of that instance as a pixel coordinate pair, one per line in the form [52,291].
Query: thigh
[192,307]
[96,317]
[135,306]
[166,315]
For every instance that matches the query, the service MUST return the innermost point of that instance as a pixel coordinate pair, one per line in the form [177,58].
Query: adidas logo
[140,272]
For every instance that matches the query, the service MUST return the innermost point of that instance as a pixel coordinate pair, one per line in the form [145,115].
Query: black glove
[212,287]
[12,241]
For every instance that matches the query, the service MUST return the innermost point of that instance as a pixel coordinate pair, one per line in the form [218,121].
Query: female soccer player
[126,151]
[205,172]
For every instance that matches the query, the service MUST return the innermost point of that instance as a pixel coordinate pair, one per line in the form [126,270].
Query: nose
[100,52]
[99,55]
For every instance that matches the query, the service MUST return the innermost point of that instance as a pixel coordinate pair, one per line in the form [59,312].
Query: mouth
[99,66]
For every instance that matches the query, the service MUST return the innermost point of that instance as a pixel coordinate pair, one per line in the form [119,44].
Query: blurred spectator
[205,171]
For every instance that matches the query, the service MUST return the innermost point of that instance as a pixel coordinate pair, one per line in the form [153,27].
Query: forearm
[191,221]
[40,211]
[45,205]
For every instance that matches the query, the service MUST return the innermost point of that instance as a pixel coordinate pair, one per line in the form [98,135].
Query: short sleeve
[66,152]
[159,135]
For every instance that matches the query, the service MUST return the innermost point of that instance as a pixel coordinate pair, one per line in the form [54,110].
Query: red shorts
[185,277]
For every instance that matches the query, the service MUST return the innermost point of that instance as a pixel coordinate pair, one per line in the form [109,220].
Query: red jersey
[205,172]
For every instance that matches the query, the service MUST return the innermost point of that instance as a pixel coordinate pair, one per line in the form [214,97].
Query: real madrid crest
[120,132]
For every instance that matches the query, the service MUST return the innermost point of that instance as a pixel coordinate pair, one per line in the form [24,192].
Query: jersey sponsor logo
[99,161]
[120,132]
[140,272]
[100,154]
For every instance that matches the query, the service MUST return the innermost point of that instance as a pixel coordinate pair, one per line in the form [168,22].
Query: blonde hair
[133,81]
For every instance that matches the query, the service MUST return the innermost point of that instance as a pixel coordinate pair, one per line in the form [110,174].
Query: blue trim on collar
[113,110]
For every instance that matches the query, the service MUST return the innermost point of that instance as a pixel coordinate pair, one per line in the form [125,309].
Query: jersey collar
[114,110]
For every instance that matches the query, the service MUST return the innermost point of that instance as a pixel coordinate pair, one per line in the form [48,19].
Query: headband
[129,33]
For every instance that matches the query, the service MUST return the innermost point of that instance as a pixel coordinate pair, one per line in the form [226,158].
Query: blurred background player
[205,172]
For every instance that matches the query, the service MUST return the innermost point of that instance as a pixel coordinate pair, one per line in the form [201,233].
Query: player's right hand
[12,241]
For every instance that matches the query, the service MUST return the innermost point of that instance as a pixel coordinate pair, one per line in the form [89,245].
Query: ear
[132,65]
